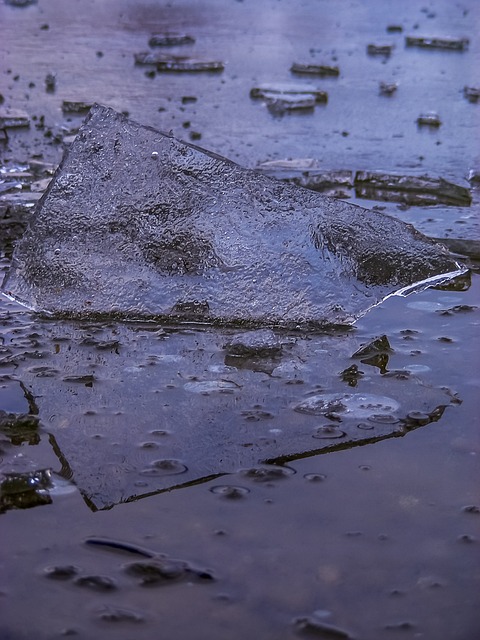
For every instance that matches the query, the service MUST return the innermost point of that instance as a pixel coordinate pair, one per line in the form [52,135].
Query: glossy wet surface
[372,541]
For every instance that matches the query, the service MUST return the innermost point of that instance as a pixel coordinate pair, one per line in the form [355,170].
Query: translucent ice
[136,224]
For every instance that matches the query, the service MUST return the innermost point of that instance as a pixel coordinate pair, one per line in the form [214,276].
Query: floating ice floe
[136,224]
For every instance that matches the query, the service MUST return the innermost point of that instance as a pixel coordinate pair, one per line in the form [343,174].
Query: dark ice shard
[13,119]
[167,62]
[170,39]
[320,70]
[286,103]
[75,106]
[284,90]
[429,119]
[448,44]
[184,64]
[308,173]
[380,49]
[472,94]
[387,88]
[412,189]
[136,224]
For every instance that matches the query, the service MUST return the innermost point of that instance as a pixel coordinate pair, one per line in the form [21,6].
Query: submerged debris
[452,44]
[421,190]
[170,39]
[309,69]
[13,118]
[429,119]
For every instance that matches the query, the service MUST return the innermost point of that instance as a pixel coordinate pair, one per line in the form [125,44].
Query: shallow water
[370,536]
[373,539]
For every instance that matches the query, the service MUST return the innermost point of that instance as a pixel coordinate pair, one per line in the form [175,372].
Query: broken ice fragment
[410,188]
[120,233]
[13,118]
[452,44]
[462,246]
[429,119]
[167,62]
[266,91]
[181,64]
[312,626]
[474,176]
[288,165]
[149,57]
[376,346]
[170,39]
[281,104]
[309,69]
[262,342]
[472,94]
[388,88]
[306,172]
[380,49]
[50,82]
[75,106]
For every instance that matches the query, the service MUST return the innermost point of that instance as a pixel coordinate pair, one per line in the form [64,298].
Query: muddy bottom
[370,538]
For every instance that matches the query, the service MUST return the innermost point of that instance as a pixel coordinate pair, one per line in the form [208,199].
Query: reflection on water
[393,521]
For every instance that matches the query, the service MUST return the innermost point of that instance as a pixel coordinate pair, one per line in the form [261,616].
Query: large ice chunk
[136,224]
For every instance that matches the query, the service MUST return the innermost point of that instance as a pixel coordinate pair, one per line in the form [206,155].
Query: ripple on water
[267,473]
[230,492]
[165,467]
